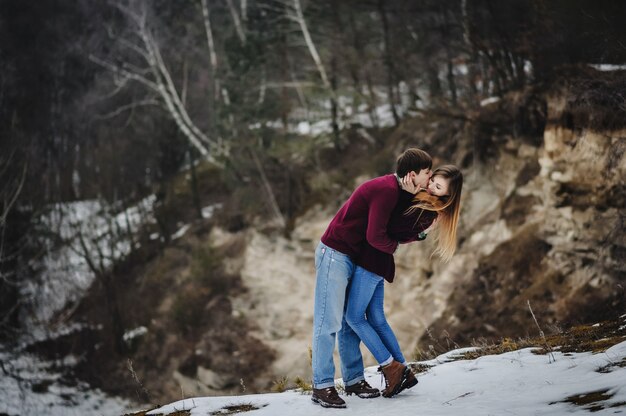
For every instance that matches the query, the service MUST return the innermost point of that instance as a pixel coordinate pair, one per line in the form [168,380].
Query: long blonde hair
[447,207]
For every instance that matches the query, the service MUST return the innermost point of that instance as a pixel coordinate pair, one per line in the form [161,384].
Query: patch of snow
[518,382]
[208,211]
[85,227]
[30,386]
[181,231]
[134,333]
[608,67]
[489,100]
[303,128]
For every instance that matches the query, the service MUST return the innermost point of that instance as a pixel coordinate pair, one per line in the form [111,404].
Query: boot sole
[328,405]
[364,395]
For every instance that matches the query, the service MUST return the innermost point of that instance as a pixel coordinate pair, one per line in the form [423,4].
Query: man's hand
[406,183]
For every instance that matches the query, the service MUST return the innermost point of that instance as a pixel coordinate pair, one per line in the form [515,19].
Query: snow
[181,231]
[134,333]
[55,396]
[489,100]
[65,274]
[514,383]
[208,211]
[608,67]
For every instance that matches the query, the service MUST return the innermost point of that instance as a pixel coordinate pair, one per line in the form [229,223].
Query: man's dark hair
[413,159]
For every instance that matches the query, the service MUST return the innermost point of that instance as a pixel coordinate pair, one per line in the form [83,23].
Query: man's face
[421,178]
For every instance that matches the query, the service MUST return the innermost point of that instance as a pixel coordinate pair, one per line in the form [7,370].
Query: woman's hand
[406,183]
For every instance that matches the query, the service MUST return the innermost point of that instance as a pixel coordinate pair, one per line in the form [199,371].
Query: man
[363,218]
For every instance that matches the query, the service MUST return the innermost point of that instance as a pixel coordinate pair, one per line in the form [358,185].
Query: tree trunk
[195,194]
[214,86]
[310,45]
[388,61]
[334,111]
[268,189]
[237,21]
[451,83]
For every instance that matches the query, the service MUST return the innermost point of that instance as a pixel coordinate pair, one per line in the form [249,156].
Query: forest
[123,120]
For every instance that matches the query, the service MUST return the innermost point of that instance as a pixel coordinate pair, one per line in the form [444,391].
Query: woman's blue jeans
[334,271]
[365,314]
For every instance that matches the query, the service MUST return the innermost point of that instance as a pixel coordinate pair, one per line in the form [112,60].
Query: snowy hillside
[513,383]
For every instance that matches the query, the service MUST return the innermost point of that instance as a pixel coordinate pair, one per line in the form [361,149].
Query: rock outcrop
[542,226]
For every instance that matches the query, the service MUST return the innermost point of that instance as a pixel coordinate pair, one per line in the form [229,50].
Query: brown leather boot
[395,374]
[363,390]
[328,397]
[409,382]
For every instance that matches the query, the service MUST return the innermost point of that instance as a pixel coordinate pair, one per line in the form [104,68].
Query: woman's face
[438,186]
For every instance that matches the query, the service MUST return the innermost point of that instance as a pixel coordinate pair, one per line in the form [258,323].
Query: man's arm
[380,207]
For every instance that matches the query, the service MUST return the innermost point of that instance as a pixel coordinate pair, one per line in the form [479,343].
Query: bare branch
[126,107]
[236,21]
[209,35]
[9,205]
[124,72]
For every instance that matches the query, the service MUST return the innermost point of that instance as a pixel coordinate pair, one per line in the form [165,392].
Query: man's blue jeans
[365,314]
[334,272]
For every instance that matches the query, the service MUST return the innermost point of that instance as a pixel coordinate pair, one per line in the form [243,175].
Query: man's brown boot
[328,397]
[363,390]
[395,374]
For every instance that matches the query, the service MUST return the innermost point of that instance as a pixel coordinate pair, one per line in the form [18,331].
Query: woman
[438,205]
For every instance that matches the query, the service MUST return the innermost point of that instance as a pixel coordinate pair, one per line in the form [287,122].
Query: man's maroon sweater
[363,218]
[402,227]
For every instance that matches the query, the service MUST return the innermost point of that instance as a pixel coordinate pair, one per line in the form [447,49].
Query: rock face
[542,225]
[553,238]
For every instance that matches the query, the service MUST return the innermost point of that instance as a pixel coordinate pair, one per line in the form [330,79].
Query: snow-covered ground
[84,227]
[514,383]
[30,386]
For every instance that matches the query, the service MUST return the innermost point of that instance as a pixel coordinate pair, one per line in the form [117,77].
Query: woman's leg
[376,318]
[362,287]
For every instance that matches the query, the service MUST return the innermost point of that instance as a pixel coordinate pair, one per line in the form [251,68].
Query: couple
[355,257]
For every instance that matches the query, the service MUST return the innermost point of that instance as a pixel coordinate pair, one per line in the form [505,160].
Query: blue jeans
[334,271]
[365,314]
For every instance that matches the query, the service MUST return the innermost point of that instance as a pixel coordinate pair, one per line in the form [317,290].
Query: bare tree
[388,61]
[156,77]
[330,85]
[298,16]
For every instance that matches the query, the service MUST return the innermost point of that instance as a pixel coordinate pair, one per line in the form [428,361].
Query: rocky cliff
[542,227]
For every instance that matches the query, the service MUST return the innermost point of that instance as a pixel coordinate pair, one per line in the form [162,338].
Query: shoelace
[383,378]
[363,385]
[332,393]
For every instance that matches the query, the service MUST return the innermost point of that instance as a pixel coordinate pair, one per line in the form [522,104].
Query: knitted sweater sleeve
[380,207]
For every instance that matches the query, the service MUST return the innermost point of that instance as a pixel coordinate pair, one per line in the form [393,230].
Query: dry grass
[234,409]
[280,385]
[592,401]
[303,385]
[582,338]
[226,410]
[176,413]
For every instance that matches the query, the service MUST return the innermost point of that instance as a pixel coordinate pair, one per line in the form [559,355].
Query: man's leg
[351,359]
[333,270]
